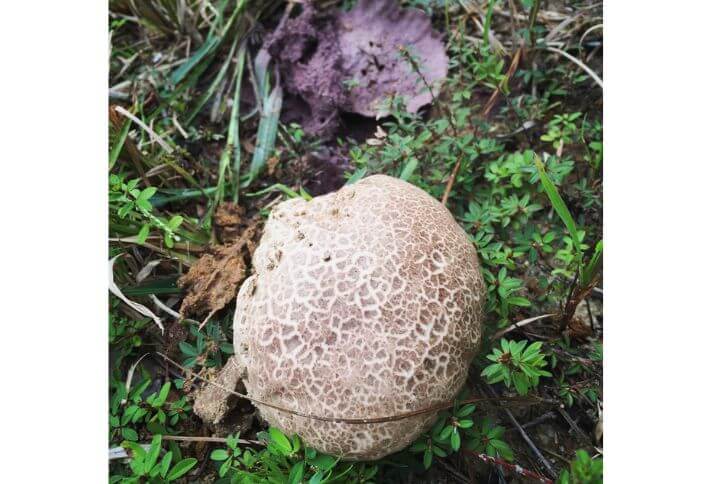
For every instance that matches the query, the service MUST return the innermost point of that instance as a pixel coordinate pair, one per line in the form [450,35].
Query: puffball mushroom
[365,303]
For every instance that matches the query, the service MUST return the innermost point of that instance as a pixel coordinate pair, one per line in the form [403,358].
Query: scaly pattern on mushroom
[365,302]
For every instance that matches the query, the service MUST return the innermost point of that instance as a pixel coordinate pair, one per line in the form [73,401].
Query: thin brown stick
[512,467]
[527,439]
[488,107]
[217,440]
[504,83]
[519,324]
[454,472]
[580,433]
[537,421]
[359,421]
[451,180]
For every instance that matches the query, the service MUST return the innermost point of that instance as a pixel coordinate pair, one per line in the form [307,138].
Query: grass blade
[233,140]
[181,72]
[283,188]
[595,263]
[213,87]
[559,205]
[116,150]
[236,116]
[209,47]
[267,132]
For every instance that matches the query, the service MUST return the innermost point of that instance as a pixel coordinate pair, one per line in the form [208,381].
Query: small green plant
[449,429]
[286,460]
[210,345]
[488,438]
[583,470]
[232,456]
[159,415]
[534,244]
[147,467]
[502,293]
[562,130]
[125,334]
[456,426]
[430,445]
[516,364]
[570,393]
[129,202]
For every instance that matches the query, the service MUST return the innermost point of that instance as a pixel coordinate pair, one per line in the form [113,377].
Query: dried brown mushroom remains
[366,302]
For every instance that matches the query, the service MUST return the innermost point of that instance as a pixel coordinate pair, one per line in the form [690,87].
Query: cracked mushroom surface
[366,302]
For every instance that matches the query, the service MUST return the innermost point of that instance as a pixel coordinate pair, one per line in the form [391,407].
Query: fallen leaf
[140,308]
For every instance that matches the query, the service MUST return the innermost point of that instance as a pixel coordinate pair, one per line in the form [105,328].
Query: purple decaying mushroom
[353,62]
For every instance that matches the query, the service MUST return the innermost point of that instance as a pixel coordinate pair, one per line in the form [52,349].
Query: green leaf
[316,478]
[465,424]
[163,393]
[323,462]
[532,350]
[181,468]
[427,459]
[119,143]
[232,440]
[502,448]
[144,205]
[210,45]
[296,443]
[558,204]
[455,439]
[564,477]
[438,451]
[518,301]
[520,381]
[517,347]
[356,176]
[408,169]
[225,467]
[129,434]
[164,465]
[505,346]
[465,410]
[219,454]
[496,432]
[296,475]
[280,440]
[175,222]
[153,453]
[418,447]
[187,349]
[143,234]
[592,268]
[147,193]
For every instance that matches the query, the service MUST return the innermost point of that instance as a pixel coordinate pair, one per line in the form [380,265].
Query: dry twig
[531,445]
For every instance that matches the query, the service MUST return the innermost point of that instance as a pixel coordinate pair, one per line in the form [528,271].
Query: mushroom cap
[366,302]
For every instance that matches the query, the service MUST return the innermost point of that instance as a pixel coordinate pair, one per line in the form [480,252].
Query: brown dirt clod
[213,281]
[229,222]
